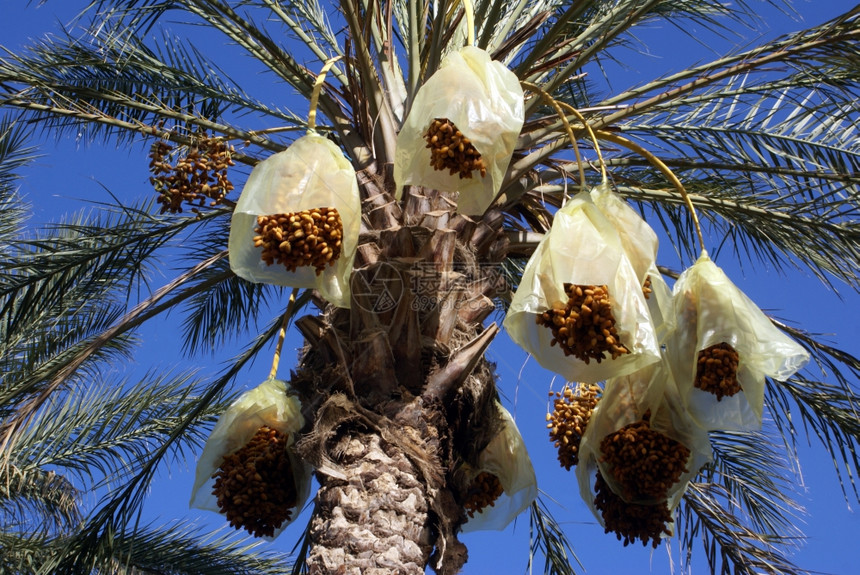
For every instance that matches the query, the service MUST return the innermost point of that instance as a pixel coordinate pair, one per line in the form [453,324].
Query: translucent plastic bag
[269,405]
[484,101]
[737,346]
[312,174]
[645,449]
[637,238]
[660,304]
[639,242]
[506,458]
[583,249]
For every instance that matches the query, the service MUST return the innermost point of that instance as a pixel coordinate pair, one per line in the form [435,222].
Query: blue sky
[74,169]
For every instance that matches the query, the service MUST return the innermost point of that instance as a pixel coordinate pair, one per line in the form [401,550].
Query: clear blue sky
[75,169]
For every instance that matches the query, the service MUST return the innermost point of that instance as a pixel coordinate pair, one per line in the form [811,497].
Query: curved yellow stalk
[315,94]
[657,163]
[552,102]
[581,118]
[283,333]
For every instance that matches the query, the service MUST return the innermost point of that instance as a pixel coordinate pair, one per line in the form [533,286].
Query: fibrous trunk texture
[374,521]
[397,389]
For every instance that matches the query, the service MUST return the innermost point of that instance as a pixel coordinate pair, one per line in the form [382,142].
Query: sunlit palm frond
[728,543]
[15,153]
[63,289]
[102,432]
[829,412]
[119,509]
[547,538]
[759,480]
[72,83]
[833,42]
[223,306]
[175,549]
[753,483]
[184,549]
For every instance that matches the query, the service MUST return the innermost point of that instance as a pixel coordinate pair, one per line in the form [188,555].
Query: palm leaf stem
[389,66]
[136,127]
[583,55]
[26,410]
[723,205]
[747,167]
[308,41]
[415,42]
[384,138]
[795,48]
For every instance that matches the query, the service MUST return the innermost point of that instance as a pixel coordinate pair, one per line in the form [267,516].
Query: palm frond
[183,549]
[223,306]
[38,501]
[759,480]
[829,412]
[66,82]
[753,485]
[176,549]
[23,553]
[547,538]
[831,42]
[62,291]
[103,432]
[119,510]
[731,547]
[15,153]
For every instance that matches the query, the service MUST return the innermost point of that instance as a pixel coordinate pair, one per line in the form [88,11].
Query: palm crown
[761,143]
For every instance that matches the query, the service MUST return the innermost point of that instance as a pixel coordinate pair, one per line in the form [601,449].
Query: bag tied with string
[248,471]
[638,454]
[579,308]
[639,242]
[723,349]
[461,131]
[503,483]
[298,219]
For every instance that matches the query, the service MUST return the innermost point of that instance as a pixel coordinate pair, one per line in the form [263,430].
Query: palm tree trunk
[398,392]
[376,518]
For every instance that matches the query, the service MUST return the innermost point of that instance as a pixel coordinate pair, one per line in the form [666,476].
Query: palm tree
[396,391]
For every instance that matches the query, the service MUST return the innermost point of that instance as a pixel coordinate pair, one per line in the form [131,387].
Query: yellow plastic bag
[311,174]
[583,249]
[506,458]
[660,304]
[269,405]
[639,242]
[484,101]
[637,238]
[645,449]
[719,326]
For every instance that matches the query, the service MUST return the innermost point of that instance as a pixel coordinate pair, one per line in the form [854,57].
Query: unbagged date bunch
[584,326]
[307,238]
[717,370]
[254,486]
[200,175]
[571,412]
[451,150]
